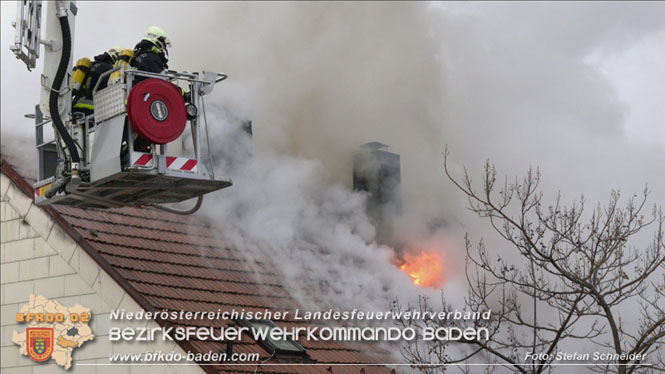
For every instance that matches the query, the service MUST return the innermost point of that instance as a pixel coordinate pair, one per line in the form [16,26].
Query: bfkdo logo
[40,343]
[52,330]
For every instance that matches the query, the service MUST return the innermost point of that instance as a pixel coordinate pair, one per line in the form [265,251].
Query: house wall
[38,257]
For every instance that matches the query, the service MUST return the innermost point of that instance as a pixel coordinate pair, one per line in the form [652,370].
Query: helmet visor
[161,41]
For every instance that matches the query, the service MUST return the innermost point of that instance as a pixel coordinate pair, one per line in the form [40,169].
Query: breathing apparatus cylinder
[124,58]
[80,72]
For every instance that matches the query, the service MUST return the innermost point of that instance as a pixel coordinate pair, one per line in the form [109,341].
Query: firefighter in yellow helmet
[151,53]
[86,77]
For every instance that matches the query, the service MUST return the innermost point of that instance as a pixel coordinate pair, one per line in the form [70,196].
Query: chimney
[247,127]
[377,171]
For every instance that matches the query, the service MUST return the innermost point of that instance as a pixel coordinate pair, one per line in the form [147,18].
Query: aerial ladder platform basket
[94,161]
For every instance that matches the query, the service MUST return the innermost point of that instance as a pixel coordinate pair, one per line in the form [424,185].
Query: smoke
[527,86]
[317,81]
[518,83]
[282,208]
[566,86]
[523,84]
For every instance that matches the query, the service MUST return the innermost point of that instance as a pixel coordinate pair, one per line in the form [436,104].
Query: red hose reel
[156,111]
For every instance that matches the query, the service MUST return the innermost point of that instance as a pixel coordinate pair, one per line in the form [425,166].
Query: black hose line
[196,207]
[57,82]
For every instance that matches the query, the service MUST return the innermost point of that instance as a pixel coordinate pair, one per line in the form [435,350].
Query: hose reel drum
[156,111]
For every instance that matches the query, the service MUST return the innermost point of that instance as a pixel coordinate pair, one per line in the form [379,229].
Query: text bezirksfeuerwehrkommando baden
[310,333]
[340,333]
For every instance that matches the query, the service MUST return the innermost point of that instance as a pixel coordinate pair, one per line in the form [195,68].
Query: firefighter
[151,53]
[86,77]
[123,60]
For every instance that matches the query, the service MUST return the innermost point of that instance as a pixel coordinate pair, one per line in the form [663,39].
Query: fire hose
[57,82]
[196,207]
[53,102]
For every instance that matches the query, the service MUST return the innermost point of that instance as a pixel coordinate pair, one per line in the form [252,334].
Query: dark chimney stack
[377,171]
[247,127]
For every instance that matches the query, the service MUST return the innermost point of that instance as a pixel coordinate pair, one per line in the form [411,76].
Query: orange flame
[425,269]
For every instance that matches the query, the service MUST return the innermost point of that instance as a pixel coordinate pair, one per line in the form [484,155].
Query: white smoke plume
[319,80]
[282,210]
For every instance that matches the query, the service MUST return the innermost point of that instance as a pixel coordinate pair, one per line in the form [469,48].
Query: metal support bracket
[52,45]
[61,92]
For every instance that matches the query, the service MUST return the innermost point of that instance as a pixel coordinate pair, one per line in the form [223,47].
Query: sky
[575,88]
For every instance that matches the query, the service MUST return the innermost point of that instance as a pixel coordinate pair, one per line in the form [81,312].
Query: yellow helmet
[114,52]
[158,37]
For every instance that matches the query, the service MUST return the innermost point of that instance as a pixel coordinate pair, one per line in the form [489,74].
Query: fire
[425,269]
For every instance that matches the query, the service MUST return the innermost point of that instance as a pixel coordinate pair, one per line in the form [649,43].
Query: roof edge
[15,177]
[27,189]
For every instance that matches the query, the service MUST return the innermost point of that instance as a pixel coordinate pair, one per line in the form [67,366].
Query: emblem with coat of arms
[40,343]
[54,331]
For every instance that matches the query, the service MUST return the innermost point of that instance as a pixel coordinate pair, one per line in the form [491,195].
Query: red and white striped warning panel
[175,163]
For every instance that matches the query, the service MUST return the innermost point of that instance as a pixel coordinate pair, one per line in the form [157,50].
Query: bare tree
[578,277]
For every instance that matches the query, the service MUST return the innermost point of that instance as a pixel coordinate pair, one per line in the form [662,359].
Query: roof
[168,261]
